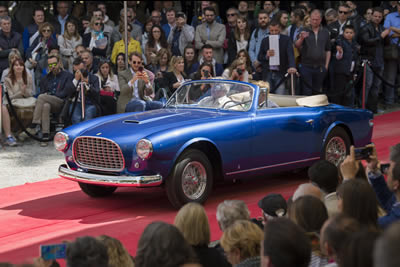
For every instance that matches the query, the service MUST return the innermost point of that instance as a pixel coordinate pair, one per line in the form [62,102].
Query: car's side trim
[109,180]
[273,166]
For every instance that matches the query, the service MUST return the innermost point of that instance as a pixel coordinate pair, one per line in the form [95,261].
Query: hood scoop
[131,121]
[153,119]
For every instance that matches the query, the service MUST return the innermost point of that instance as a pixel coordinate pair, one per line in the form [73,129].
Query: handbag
[391,51]
[28,102]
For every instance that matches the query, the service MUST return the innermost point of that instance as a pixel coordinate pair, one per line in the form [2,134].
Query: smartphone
[363,152]
[385,167]
[54,251]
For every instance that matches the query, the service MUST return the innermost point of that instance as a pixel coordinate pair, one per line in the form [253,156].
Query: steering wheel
[236,103]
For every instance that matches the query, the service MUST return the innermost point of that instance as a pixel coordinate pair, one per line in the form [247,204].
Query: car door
[283,137]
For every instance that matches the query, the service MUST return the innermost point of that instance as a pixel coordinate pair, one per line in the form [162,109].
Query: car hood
[140,125]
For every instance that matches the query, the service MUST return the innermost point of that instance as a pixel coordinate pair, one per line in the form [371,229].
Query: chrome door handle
[310,121]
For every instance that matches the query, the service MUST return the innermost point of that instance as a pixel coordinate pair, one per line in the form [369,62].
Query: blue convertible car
[209,130]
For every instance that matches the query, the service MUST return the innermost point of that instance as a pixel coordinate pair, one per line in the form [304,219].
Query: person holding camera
[137,91]
[387,192]
[236,71]
[275,73]
[205,71]
[55,87]
[181,35]
[88,93]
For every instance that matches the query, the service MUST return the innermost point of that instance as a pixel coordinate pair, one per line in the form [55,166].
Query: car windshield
[214,95]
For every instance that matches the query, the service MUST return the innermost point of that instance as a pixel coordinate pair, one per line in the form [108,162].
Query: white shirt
[135,93]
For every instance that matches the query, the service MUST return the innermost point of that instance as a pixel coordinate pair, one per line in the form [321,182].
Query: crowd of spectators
[346,216]
[343,217]
[76,53]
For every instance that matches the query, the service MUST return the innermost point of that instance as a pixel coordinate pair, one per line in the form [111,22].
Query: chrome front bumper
[109,180]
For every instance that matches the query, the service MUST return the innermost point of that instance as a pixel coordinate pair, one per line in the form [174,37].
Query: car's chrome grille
[98,154]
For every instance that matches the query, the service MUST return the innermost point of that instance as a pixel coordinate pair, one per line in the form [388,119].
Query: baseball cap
[273,205]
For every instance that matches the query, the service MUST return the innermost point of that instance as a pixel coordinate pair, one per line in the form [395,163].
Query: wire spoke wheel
[337,146]
[336,150]
[194,180]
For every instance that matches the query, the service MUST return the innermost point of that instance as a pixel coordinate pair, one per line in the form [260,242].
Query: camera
[385,167]
[239,71]
[140,69]
[363,153]
[206,73]
[84,73]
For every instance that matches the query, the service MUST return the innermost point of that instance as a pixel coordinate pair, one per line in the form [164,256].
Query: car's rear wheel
[191,179]
[97,190]
[337,146]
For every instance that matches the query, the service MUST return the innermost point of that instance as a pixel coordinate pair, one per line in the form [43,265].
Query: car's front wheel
[97,190]
[337,146]
[191,179]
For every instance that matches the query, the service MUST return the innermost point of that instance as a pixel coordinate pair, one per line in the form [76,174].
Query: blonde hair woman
[176,76]
[192,222]
[242,243]
[67,43]
[118,256]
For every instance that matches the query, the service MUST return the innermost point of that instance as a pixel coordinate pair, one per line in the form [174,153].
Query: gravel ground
[28,163]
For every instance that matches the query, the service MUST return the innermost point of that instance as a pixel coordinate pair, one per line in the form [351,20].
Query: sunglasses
[231,15]
[343,12]
[98,24]
[136,62]
[46,30]
[52,65]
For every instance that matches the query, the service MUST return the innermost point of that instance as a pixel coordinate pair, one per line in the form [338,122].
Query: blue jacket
[386,199]
[28,32]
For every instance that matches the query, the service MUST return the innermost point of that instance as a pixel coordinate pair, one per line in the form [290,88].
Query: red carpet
[56,210]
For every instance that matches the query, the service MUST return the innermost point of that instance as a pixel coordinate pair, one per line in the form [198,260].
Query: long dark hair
[248,60]
[247,32]
[163,40]
[359,202]
[188,65]
[12,73]
[162,244]
[198,73]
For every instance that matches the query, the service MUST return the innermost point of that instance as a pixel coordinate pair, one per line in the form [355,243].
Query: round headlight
[61,141]
[144,149]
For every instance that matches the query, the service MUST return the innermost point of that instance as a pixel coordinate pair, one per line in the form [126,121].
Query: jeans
[312,79]
[372,84]
[137,105]
[90,113]
[274,78]
[391,68]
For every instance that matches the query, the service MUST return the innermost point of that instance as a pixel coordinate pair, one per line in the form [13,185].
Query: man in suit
[212,33]
[136,88]
[275,73]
